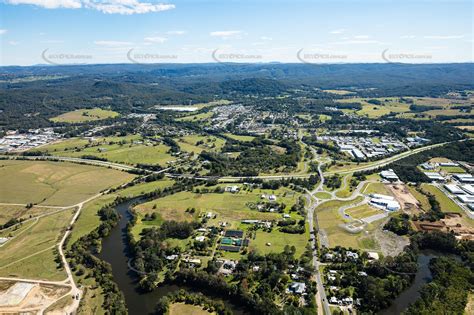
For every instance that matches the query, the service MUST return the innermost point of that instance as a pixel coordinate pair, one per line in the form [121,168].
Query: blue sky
[332,31]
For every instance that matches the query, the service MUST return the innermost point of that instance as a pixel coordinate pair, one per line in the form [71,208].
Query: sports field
[54,183]
[83,115]
[329,220]
[363,211]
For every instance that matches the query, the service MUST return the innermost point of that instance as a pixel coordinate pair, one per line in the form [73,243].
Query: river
[422,277]
[114,251]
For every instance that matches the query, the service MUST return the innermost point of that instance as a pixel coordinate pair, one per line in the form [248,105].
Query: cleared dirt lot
[407,201]
[30,298]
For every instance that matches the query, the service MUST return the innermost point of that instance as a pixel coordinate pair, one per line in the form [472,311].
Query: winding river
[411,294]
[114,251]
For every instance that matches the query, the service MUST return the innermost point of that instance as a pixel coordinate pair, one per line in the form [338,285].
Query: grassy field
[8,212]
[389,104]
[376,188]
[446,204]
[230,208]
[329,220]
[323,118]
[422,199]
[59,305]
[362,211]
[323,195]
[452,169]
[54,183]
[210,143]
[129,150]
[181,309]
[40,266]
[30,253]
[345,191]
[82,115]
[339,92]
[196,117]
[278,241]
[88,219]
[239,137]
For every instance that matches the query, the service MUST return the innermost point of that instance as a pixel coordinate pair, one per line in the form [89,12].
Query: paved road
[125,167]
[314,245]
[312,201]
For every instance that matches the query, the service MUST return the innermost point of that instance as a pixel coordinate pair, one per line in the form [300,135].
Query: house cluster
[227,266]
[260,223]
[232,189]
[339,255]
[384,202]
[226,115]
[337,298]
[335,276]
[269,197]
[362,148]
[15,141]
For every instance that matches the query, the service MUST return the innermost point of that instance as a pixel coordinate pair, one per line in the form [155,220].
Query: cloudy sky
[311,31]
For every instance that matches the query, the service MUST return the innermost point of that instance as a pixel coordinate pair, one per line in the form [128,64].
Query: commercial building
[389,175]
[468,188]
[454,189]
[434,176]
[466,198]
[384,202]
[464,178]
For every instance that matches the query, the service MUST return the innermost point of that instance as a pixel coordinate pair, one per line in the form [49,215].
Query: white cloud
[339,31]
[125,7]
[408,37]
[157,39]
[266,38]
[111,43]
[13,43]
[442,37]
[361,36]
[2,31]
[50,4]
[176,32]
[225,34]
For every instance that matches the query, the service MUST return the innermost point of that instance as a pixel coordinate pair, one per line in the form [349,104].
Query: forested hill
[385,76]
